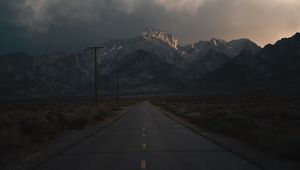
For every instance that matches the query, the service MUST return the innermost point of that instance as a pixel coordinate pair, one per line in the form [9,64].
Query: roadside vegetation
[24,125]
[270,124]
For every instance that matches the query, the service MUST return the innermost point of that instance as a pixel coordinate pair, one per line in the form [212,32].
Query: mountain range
[153,61]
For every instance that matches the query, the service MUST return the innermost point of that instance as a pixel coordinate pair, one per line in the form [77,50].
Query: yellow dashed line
[143,164]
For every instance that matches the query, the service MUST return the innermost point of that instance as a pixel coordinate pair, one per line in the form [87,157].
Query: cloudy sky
[42,26]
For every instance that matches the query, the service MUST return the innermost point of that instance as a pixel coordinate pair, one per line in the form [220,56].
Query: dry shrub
[38,128]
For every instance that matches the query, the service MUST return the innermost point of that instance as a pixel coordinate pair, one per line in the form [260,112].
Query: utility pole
[118,87]
[96,70]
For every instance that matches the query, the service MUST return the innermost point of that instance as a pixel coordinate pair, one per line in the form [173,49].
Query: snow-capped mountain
[154,35]
[231,49]
[68,74]
[152,40]
[152,61]
[206,56]
[197,59]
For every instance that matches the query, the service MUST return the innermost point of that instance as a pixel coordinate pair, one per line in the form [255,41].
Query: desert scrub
[269,124]
[39,129]
[9,134]
[24,125]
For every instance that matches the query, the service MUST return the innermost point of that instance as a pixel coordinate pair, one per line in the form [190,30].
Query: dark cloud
[40,26]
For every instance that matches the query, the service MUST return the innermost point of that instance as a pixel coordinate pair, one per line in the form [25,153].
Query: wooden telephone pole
[118,87]
[96,70]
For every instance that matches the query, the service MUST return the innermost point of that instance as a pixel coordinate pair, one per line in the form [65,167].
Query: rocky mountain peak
[151,33]
[217,42]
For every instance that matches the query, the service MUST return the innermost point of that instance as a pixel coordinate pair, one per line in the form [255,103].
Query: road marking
[143,164]
[144,145]
[144,129]
[144,135]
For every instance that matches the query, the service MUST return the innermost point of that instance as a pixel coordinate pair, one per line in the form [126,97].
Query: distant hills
[150,62]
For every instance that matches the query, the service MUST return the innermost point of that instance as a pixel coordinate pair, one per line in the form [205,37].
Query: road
[145,139]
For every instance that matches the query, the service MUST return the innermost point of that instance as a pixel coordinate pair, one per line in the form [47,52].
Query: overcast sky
[42,26]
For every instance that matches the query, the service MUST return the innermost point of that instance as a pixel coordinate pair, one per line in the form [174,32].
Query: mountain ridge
[152,61]
[274,63]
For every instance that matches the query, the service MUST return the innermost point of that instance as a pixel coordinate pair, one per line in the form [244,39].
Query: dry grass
[269,124]
[23,125]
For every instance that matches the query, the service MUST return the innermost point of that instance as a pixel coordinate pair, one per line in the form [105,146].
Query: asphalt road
[145,139]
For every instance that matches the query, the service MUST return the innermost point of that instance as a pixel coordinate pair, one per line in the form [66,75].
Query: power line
[118,87]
